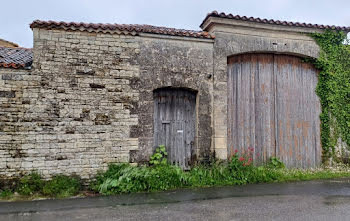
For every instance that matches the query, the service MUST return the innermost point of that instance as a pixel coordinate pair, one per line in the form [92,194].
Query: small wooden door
[174,124]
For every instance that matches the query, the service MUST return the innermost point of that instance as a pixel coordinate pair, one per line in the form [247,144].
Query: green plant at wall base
[62,186]
[276,163]
[123,178]
[333,89]
[5,194]
[159,157]
[30,184]
[241,166]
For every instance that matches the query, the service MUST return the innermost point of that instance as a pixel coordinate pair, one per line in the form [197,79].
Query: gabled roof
[119,28]
[274,22]
[15,57]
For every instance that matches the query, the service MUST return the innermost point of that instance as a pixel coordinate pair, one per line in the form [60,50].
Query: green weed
[5,194]
[124,178]
[275,163]
[62,186]
[30,184]
[159,157]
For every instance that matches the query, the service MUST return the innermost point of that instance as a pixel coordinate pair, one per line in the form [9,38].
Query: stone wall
[88,100]
[18,88]
[78,117]
[180,63]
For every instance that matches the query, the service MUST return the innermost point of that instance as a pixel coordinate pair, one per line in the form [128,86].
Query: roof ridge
[122,28]
[15,45]
[16,48]
[272,21]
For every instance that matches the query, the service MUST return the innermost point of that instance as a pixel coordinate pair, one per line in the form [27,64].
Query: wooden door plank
[264,146]
[298,112]
[174,123]
[273,107]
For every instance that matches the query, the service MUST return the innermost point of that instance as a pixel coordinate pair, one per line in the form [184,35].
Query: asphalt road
[312,200]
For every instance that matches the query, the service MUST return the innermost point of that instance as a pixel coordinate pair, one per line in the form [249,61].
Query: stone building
[91,94]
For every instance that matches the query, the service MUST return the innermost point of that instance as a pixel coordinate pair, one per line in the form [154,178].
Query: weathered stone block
[8,94]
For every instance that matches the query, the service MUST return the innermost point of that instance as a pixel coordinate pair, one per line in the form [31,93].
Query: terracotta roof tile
[121,28]
[276,22]
[15,57]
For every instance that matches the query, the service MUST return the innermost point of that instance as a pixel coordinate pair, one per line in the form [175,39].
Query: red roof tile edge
[275,22]
[120,27]
[12,65]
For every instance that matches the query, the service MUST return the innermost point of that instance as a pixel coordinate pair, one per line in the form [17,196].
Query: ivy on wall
[333,89]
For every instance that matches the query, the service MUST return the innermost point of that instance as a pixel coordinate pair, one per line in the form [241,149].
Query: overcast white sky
[16,15]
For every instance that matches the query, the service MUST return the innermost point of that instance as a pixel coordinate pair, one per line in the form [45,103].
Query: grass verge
[33,186]
[125,178]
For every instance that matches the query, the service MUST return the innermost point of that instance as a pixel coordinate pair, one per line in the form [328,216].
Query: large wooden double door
[273,108]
